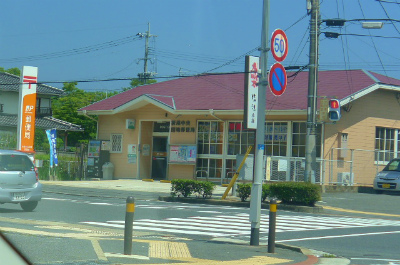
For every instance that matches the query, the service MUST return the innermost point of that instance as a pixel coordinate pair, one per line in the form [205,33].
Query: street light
[372,25]
[335,35]
[367,23]
[313,9]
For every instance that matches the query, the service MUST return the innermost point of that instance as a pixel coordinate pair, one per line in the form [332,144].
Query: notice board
[182,154]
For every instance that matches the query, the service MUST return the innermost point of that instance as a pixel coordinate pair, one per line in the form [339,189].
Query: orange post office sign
[27,109]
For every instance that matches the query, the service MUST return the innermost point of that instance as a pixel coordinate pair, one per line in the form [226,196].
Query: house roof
[8,120]
[222,92]
[10,82]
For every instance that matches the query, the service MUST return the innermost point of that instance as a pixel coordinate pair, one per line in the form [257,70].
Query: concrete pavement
[171,251]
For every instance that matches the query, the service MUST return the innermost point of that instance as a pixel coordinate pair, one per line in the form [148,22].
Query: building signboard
[251,91]
[27,109]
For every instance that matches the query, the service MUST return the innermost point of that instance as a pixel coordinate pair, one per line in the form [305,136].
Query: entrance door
[159,157]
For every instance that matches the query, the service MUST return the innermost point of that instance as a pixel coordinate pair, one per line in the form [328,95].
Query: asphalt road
[359,233]
[59,232]
[363,204]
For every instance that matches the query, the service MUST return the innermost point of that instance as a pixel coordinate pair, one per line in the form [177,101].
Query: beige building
[193,128]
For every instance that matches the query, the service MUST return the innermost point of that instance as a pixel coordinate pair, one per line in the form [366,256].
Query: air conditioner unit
[344,178]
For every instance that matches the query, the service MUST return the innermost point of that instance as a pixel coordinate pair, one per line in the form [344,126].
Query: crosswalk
[201,208]
[239,225]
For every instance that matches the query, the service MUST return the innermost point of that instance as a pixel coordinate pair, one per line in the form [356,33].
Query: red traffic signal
[334,110]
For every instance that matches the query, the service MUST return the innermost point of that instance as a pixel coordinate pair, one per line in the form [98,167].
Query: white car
[19,180]
[389,178]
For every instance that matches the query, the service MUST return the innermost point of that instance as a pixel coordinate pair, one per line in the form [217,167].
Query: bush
[265,192]
[187,187]
[181,187]
[300,193]
[67,168]
[244,191]
[206,189]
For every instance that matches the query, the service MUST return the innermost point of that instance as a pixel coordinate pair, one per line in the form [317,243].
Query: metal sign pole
[256,190]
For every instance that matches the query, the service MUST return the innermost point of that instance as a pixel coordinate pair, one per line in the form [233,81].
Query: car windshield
[393,166]
[15,163]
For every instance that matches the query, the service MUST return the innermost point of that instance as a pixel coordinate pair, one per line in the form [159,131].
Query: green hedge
[300,193]
[187,187]
[244,191]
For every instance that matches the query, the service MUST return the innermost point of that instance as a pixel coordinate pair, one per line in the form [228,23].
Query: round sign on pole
[277,79]
[279,45]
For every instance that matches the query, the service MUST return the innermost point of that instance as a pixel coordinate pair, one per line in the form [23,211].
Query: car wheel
[28,206]
[378,191]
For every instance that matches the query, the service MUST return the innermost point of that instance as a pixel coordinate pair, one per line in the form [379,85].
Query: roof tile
[226,91]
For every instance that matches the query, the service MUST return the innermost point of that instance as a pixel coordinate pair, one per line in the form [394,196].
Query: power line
[373,42]
[82,50]
[253,50]
[386,13]
[390,2]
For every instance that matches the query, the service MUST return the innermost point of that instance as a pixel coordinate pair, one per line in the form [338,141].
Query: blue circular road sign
[277,79]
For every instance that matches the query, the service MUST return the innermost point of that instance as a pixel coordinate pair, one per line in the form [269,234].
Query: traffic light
[334,110]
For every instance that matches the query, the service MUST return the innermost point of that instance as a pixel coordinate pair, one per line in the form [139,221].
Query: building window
[209,167]
[239,140]
[116,143]
[210,137]
[276,138]
[387,144]
[299,132]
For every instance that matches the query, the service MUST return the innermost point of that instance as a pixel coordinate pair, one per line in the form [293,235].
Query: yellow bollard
[272,226]
[130,210]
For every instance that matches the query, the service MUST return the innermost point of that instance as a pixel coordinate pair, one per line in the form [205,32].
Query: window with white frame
[116,143]
[210,139]
[239,140]
[276,138]
[299,133]
[387,144]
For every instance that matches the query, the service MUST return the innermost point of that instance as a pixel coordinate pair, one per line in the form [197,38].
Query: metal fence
[342,167]
[290,169]
[352,166]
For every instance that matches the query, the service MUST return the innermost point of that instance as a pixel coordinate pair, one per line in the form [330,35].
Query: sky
[94,40]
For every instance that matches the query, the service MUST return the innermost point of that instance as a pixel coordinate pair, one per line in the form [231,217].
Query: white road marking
[239,225]
[337,236]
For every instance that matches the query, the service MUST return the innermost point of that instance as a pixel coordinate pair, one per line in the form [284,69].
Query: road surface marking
[239,225]
[338,236]
[362,212]
[98,250]
[118,255]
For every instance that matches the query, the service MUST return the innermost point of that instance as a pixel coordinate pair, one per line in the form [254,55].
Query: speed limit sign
[279,45]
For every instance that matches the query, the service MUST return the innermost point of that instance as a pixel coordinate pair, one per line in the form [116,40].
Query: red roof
[226,91]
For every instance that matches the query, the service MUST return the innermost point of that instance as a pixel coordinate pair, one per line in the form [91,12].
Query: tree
[14,71]
[135,82]
[66,108]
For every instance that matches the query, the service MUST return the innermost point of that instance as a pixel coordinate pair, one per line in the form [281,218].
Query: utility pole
[311,150]
[256,189]
[146,75]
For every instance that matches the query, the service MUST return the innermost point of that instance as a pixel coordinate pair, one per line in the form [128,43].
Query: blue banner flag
[52,136]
